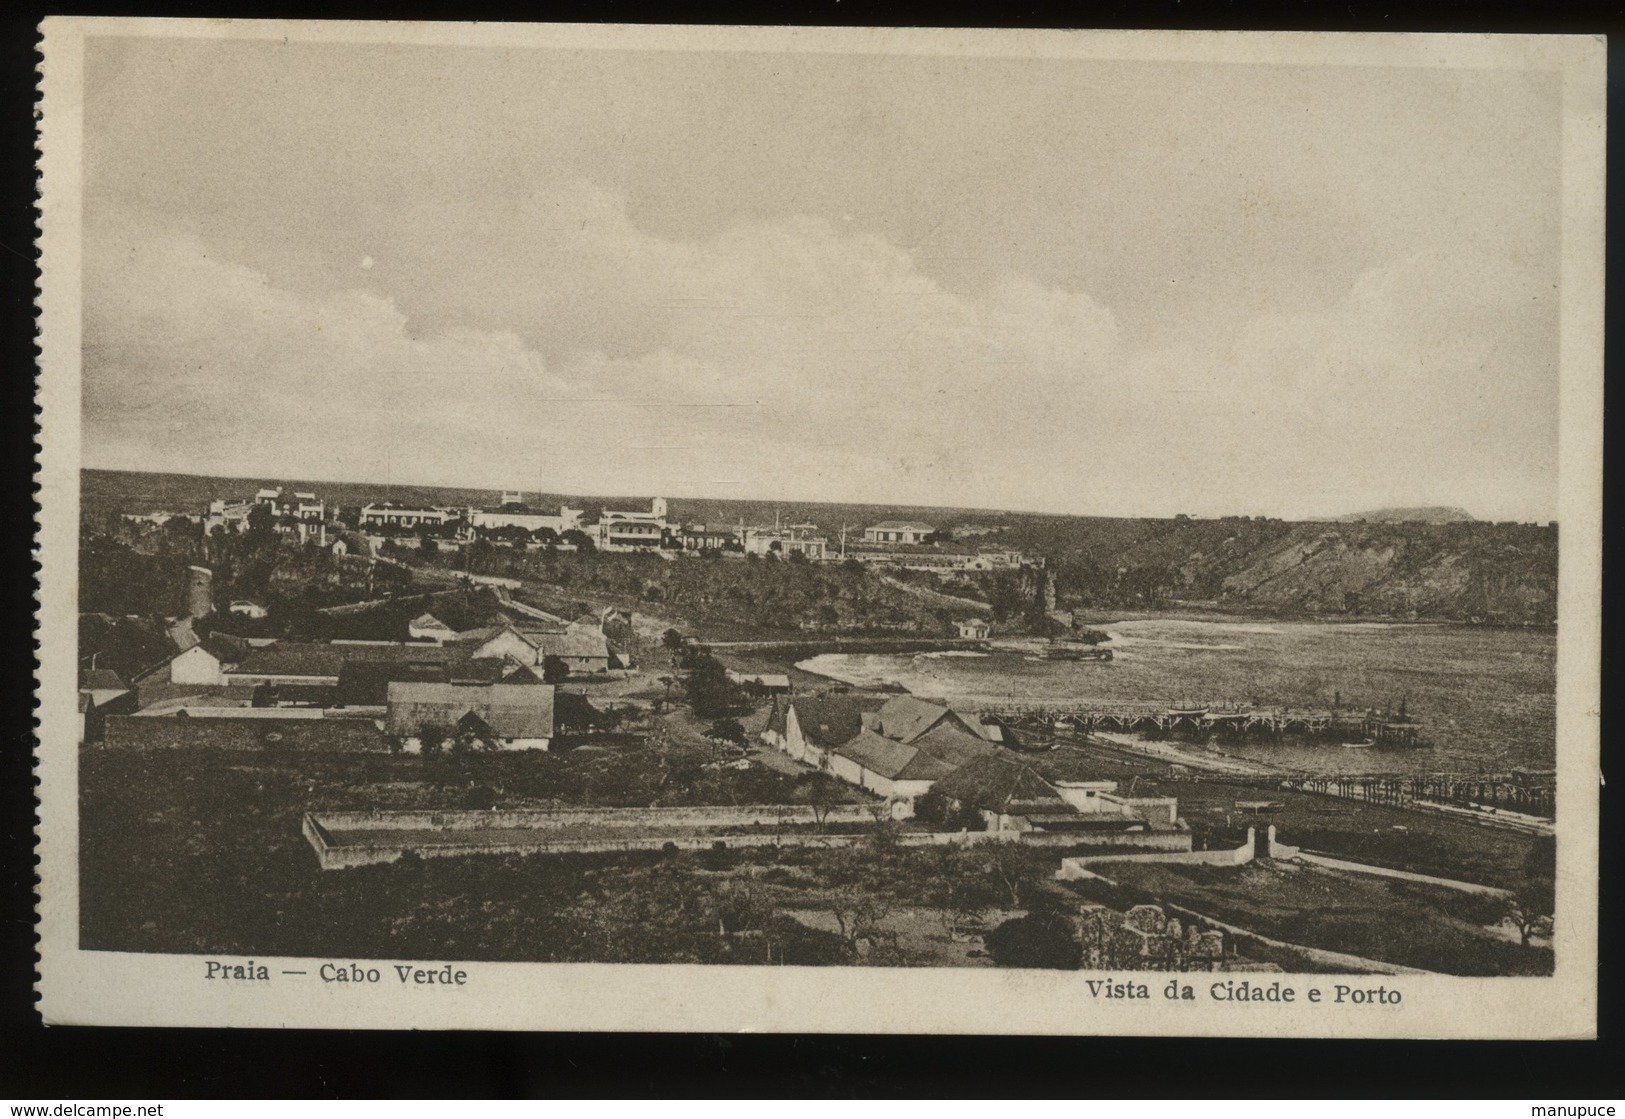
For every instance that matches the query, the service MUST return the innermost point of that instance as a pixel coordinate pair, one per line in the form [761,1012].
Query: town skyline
[538,492]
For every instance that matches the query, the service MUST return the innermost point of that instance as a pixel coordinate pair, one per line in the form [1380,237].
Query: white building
[387,514]
[507,716]
[427,627]
[623,531]
[301,506]
[227,512]
[785,542]
[514,513]
[898,532]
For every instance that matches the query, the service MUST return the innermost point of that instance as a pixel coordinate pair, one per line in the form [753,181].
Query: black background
[67,1063]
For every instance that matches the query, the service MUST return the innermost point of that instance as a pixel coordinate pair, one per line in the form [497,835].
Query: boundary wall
[553,819]
[137,732]
[552,835]
[1079,867]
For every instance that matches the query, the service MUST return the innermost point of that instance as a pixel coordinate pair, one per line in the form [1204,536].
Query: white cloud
[809,361]
[788,341]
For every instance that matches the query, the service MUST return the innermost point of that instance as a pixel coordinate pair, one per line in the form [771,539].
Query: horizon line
[1323,519]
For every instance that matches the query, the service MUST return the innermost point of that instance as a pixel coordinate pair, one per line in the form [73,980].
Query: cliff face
[1490,573]
[1470,571]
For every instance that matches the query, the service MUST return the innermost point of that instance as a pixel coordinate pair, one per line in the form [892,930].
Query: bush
[1037,940]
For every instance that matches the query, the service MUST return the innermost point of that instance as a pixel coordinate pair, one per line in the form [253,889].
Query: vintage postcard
[793,529]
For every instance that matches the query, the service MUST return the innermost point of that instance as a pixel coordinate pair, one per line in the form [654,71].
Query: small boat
[1358,745]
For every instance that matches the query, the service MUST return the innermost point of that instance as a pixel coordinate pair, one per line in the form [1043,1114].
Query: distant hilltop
[1418,514]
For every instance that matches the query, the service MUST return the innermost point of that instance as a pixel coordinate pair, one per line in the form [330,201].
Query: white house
[809,729]
[196,665]
[885,766]
[427,627]
[622,531]
[388,514]
[898,532]
[514,513]
[785,542]
[974,629]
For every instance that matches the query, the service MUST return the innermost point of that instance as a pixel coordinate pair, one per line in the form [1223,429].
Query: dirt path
[936,597]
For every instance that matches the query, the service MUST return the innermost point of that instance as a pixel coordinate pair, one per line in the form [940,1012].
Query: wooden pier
[1203,718]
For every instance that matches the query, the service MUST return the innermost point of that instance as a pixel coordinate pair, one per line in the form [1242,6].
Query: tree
[581,541]
[959,893]
[432,737]
[1017,869]
[710,693]
[727,730]
[1036,940]
[1530,908]
[1535,897]
[932,807]
[427,545]
[858,913]
[820,793]
[261,525]
[554,670]
[799,557]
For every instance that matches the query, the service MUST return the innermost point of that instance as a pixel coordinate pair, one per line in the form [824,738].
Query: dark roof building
[906,718]
[296,660]
[509,712]
[997,783]
[826,721]
[894,760]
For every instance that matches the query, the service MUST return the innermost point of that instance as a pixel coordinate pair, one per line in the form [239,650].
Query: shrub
[1037,940]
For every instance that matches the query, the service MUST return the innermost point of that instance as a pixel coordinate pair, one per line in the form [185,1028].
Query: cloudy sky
[1059,285]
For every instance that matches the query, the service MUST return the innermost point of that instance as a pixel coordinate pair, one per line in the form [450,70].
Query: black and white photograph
[820,509]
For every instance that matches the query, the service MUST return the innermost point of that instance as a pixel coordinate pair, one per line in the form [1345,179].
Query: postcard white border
[162,990]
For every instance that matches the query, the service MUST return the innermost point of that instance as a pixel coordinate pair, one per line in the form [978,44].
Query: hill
[1422,514]
[1401,563]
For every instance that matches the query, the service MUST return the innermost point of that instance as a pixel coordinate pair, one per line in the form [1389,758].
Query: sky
[1058,285]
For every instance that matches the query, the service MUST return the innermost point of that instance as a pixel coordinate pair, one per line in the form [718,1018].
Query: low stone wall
[138,732]
[1279,850]
[547,819]
[334,857]
[552,837]
[1079,867]
[1151,841]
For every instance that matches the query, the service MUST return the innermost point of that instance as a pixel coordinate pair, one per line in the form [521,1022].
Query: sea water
[1484,695]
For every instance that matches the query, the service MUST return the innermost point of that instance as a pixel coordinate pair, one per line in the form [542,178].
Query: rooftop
[892,759]
[996,783]
[509,710]
[826,721]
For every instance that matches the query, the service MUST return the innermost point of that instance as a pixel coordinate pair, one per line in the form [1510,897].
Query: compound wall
[137,732]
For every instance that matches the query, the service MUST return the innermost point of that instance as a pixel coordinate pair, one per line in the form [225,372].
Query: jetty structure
[1381,728]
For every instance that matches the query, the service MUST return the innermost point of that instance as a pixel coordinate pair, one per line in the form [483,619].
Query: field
[199,851]
[1348,829]
[1414,924]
